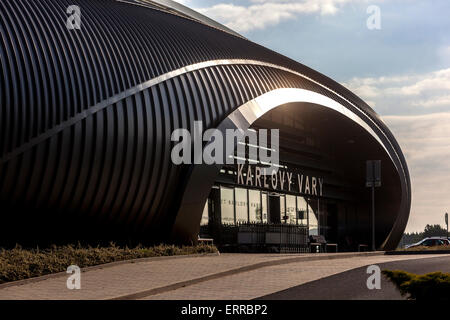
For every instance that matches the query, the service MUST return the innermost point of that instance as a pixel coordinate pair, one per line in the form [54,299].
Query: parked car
[430,242]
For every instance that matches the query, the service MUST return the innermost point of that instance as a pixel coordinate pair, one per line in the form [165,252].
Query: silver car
[430,242]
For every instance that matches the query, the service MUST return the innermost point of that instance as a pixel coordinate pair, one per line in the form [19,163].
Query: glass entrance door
[274,208]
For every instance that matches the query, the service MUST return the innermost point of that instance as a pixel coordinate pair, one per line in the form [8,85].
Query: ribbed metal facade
[86,115]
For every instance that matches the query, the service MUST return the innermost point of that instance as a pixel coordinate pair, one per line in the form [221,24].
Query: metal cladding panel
[83,139]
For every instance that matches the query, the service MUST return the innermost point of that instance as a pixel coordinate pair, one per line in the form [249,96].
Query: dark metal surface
[178,8]
[85,150]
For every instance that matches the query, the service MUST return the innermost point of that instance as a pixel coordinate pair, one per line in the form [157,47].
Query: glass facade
[205,215]
[240,205]
[313,221]
[302,211]
[264,206]
[227,205]
[255,213]
[290,210]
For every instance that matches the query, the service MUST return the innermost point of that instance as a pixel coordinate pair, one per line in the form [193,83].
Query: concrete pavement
[351,285]
[225,276]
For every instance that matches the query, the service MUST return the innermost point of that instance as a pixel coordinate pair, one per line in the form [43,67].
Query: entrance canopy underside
[343,143]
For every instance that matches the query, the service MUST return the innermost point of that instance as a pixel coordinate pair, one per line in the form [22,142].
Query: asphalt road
[351,285]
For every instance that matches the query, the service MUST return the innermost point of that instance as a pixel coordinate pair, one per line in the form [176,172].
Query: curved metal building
[86,117]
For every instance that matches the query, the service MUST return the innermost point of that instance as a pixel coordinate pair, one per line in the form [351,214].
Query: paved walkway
[225,276]
[352,284]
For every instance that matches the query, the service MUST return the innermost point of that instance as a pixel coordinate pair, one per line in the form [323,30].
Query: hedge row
[430,286]
[19,263]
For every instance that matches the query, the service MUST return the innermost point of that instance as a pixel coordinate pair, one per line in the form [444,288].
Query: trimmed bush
[19,263]
[430,286]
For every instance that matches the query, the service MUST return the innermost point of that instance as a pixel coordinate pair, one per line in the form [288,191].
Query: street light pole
[373,217]
[373,180]
[446,222]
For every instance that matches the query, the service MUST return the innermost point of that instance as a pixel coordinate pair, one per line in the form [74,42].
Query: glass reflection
[254,197]
[302,214]
[264,207]
[313,223]
[291,210]
[246,205]
[227,205]
[241,205]
[283,209]
[205,215]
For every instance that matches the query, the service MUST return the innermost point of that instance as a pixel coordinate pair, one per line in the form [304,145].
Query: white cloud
[425,141]
[416,108]
[261,14]
[440,101]
[435,82]
[415,93]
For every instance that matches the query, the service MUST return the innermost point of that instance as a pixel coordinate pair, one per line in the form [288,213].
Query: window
[241,205]
[302,214]
[264,207]
[291,209]
[205,216]
[227,205]
[313,225]
[255,205]
[282,208]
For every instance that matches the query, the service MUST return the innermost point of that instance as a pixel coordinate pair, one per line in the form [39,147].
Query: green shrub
[19,263]
[430,286]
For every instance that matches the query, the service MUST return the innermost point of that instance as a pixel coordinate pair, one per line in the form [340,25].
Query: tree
[410,238]
[434,231]
[430,231]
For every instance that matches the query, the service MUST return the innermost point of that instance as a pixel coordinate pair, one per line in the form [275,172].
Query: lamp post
[373,180]
[446,222]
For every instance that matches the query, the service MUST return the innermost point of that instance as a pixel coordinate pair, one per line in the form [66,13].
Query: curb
[404,253]
[101,266]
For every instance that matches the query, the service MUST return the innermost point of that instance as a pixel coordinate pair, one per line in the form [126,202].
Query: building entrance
[274,209]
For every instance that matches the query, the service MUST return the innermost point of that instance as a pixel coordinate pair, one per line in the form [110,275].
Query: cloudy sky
[402,70]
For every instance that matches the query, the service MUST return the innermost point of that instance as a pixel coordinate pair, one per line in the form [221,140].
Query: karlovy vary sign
[281,180]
